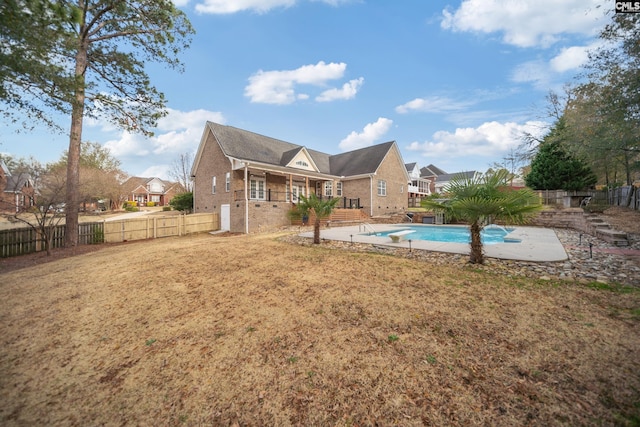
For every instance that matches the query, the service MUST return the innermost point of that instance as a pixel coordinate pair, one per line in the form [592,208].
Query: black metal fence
[628,196]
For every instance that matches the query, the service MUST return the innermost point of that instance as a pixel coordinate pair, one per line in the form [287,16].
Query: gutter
[246,198]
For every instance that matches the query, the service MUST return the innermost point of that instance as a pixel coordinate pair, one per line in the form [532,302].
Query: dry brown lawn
[253,331]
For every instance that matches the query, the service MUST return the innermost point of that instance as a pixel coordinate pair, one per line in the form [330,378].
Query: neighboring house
[150,190]
[431,173]
[252,181]
[17,191]
[419,187]
[443,180]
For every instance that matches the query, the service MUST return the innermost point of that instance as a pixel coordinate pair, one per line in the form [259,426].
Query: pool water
[451,234]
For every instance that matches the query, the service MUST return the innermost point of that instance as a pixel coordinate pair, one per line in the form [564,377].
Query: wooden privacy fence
[24,240]
[153,227]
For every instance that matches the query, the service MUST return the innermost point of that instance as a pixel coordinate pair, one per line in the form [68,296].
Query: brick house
[18,191]
[150,190]
[252,181]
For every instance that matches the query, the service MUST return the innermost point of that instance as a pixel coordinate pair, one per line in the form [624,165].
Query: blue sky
[454,83]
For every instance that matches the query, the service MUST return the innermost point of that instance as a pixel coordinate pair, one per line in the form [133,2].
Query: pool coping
[536,244]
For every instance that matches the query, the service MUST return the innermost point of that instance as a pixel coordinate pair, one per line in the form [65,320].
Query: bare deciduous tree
[181,171]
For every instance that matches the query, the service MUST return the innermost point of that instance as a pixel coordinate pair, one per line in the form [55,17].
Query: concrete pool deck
[536,244]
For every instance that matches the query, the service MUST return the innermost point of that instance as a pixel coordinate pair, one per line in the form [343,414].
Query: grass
[249,330]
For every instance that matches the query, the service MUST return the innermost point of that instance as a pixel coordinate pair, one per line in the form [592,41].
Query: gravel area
[590,259]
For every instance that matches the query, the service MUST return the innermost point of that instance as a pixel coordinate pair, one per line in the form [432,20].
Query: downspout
[193,194]
[371,194]
[246,198]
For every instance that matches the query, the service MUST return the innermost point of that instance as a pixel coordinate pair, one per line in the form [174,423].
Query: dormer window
[302,163]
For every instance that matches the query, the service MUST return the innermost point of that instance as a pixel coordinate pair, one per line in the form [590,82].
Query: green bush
[130,206]
[182,202]
[98,236]
[166,208]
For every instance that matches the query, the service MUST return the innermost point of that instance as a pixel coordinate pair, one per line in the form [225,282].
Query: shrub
[166,208]
[98,236]
[151,204]
[182,202]
[130,206]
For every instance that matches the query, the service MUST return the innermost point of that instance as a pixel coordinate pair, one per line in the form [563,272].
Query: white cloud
[527,23]
[233,6]
[536,72]
[176,119]
[128,144]
[369,135]
[572,58]
[491,140]
[435,104]
[158,171]
[278,87]
[347,91]
[177,133]
[258,6]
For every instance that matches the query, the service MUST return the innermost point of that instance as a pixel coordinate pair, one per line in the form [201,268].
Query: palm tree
[320,208]
[485,199]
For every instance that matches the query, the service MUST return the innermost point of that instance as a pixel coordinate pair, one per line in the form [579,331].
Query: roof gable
[413,170]
[431,170]
[299,159]
[360,162]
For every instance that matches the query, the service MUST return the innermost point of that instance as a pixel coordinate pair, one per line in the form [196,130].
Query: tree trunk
[316,231]
[73,158]
[476,256]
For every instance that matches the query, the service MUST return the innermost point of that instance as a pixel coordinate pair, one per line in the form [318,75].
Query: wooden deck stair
[339,217]
[347,217]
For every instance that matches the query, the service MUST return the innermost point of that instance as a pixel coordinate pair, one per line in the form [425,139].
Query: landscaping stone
[602,261]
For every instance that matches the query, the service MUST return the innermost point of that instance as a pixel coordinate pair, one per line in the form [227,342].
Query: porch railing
[288,197]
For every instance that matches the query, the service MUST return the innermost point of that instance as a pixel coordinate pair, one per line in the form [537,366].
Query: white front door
[225,217]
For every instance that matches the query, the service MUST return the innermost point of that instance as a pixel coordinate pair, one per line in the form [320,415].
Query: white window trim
[338,189]
[259,193]
[213,185]
[382,187]
[227,182]
[328,189]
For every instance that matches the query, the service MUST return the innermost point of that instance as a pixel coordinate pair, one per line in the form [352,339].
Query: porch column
[290,189]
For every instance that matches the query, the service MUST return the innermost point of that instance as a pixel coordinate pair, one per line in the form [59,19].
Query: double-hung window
[227,182]
[382,187]
[257,189]
[338,189]
[213,185]
[328,188]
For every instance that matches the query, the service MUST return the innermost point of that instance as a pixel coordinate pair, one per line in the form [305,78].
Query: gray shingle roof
[431,170]
[15,183]
[245,145]
[459,175]
[359,162]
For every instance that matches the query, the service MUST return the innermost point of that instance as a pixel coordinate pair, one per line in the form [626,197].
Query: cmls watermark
[628,7]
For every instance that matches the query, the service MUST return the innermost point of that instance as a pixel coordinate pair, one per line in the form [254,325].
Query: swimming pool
[452,234]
